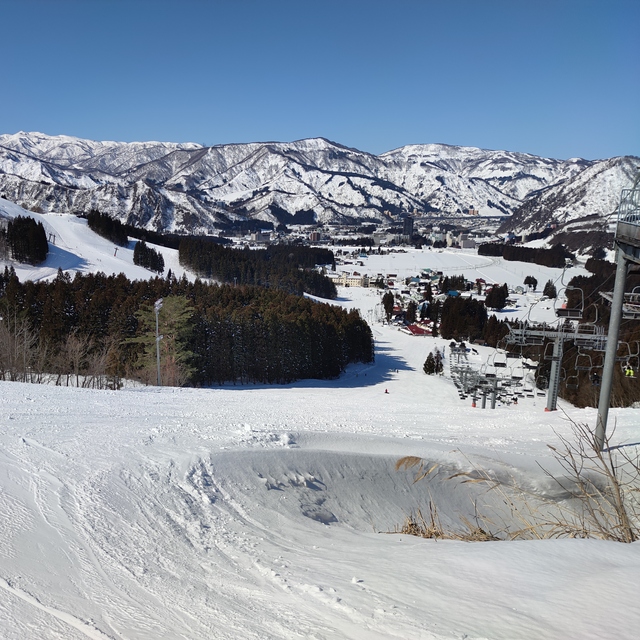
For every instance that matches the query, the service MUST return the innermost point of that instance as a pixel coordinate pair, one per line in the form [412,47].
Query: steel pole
[157,306]
[157,349]
[554,375]
[611,350]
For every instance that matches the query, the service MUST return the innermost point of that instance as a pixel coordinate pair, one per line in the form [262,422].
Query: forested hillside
[103,327]
[24,240]
[286,267]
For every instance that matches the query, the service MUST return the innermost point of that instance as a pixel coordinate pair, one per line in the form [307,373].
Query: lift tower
[627,242]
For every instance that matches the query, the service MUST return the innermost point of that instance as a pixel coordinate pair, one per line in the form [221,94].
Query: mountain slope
[193,189]
[593,193]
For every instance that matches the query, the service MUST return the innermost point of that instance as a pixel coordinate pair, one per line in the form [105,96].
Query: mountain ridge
[192,188]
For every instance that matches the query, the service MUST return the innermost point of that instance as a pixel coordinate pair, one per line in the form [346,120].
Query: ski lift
[499,359]
[583,362]
[628,370]
[542,384]
[573,313]
[631,358]
[626,354]
[487,370]
[548,352]
[571,382]
[517,370]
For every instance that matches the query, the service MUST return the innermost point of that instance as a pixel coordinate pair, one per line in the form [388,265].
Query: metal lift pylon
[628,250]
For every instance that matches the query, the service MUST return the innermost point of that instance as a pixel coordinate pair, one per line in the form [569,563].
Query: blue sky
[554,78]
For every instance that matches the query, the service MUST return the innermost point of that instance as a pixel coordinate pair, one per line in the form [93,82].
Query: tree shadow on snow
[385,367]
[63,259]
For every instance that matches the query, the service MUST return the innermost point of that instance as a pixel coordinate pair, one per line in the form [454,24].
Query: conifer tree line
[554,257]
[287,267]
[119,232]
[453,283]
[103,328]
[148,257]
[108,228]
[24,240]
[463,319]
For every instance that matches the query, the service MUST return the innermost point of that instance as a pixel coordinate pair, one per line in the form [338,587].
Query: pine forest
[102,328]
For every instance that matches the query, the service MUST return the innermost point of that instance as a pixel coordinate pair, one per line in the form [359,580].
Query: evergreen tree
[175,355]
[388,302]
[494,330]
[108,228]
[429,366]
[27,240]
[530,281]
[463,317]
[148,257]
[411,312]
[497,296]
[549,289]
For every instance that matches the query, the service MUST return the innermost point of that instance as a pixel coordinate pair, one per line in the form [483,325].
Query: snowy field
[264,512]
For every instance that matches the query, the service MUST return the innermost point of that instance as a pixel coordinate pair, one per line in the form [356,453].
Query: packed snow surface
[266,512]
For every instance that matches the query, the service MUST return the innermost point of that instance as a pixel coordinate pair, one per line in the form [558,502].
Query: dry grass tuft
[416,524]
[600,497]
[410,462]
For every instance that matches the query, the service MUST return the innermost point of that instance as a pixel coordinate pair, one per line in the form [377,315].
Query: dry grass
[604,486]
[416,524]
[600,498]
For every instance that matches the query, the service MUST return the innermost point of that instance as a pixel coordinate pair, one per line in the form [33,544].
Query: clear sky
[556,78]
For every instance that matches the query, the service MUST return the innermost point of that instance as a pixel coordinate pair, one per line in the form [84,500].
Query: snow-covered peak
[192,188]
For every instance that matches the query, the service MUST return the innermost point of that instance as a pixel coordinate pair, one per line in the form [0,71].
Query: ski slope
[264,512]
[73,247]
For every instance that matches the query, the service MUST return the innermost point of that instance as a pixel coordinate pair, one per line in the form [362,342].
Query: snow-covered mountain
[593,192]
[191,188]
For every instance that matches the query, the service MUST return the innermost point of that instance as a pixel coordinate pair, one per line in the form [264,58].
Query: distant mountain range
[190,188]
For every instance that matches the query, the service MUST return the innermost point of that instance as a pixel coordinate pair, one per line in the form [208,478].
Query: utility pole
[157,306]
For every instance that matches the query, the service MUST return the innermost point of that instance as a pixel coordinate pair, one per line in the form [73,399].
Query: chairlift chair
[583,362]
[571,382]
[627,369]
[542,384]
[574,313]
[488,371]
[499,359]
[517,370]
[626,353]
[548,352]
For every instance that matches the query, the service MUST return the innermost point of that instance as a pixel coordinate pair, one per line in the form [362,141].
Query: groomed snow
[263,512]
